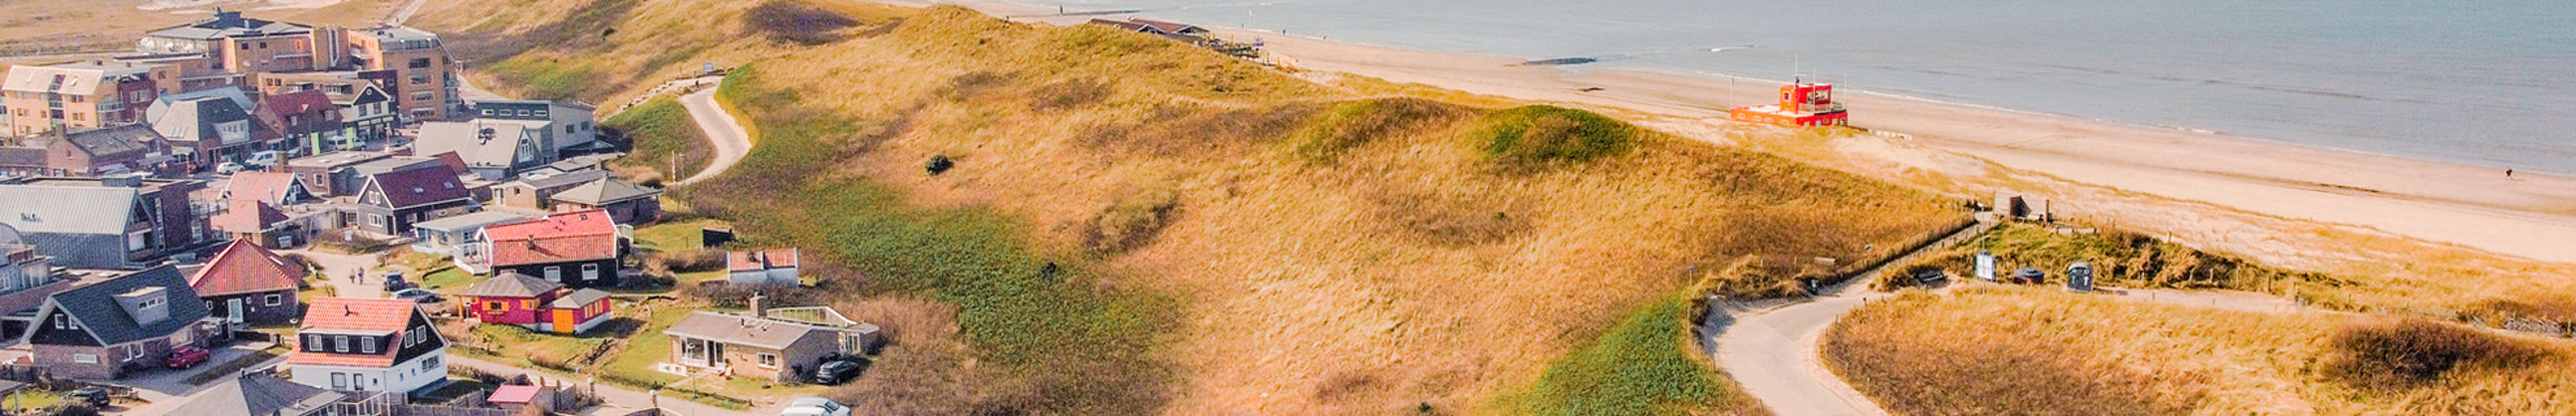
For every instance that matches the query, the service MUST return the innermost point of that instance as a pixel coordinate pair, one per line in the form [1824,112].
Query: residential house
[460,236]
[306,121]
[89,152]
[625,202]
[391,202]
[385,345]
[75,96]
[366,117]
[493,151]
[573,164]
[261,394]
[535,192]
[257,222]
[342,173]
[97,330]
[119,222]
[562,129]
[760,345]
[518,299]
[213,129]
[273,188]
[579,249]
[774,267]
[248,284]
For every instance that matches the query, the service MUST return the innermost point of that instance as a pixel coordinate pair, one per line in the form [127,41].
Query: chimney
[756,309]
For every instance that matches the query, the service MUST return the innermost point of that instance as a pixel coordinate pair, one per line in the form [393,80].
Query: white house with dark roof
[95,329]
[493,151]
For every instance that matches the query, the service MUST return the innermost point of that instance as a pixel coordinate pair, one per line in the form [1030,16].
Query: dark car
[95,397]
[835,372]
[186,356]
[394,281]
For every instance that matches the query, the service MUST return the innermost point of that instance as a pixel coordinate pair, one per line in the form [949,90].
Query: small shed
[517,397]
[2016,206]
[2079,277]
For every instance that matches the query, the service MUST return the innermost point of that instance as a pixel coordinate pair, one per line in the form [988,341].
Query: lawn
[674,236]
[526,347]
[634,365]
[31,398]
[449,279]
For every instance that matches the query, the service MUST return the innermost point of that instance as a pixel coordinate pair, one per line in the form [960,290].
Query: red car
[187,356]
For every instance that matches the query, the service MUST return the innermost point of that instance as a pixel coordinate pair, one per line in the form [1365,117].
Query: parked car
[815,406]
[343,143]
[417,295]
[394,281]
[186,356]
[229,168]
[95,397]
[835,372]
[264,159]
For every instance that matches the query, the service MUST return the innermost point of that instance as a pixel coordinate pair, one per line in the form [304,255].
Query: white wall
[404,377]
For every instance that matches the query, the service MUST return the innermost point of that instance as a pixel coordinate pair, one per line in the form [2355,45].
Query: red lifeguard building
[1801,105]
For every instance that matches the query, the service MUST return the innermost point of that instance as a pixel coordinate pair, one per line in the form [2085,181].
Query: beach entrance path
[722,130]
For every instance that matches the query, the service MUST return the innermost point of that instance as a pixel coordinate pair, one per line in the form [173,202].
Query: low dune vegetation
[2012,350]
[664,140]
[1127,225]
[2118,258]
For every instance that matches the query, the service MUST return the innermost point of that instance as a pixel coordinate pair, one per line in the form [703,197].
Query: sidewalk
[616,400]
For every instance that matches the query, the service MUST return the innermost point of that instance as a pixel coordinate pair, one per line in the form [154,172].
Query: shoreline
[2439,201]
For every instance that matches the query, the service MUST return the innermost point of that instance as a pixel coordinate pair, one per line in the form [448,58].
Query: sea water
[2489,83]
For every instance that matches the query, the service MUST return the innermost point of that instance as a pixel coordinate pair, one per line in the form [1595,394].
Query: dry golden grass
[1412,267]
[2011,350]
[607,51]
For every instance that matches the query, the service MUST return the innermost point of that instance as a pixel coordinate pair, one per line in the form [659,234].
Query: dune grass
[1133,225]
[663,135]
[2009,350]
[1645,365]
[2118,258]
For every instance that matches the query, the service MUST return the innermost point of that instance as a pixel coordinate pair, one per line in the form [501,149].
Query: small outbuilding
[2029,276]
[2079,277]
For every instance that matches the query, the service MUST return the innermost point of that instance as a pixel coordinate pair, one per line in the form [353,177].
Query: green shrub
[1544,134]
[1353,123]
[1644,365]
[661,134]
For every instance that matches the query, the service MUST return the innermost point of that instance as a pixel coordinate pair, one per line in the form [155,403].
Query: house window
[497,306]
[530,304]
[313,343]
[768,360]
[339,380]
[590,272]
[554,274]
[85,358]
[693,349]
[429,364]
[275,299]
[367,345]
[339,343]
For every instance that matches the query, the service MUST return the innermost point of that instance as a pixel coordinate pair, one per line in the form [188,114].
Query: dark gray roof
[196,119]
[416,187]
[22,157]
[606,191]
[94,305]
[564,179]
[498,148]
[115,142]
[256,394]
[230,24]
[744,330]
[510,285]
[37,209]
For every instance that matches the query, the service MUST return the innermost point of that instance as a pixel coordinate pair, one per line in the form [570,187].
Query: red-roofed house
[305,119]
[578,249]
[249,284]
[367,345]
[776,267]
[517,299]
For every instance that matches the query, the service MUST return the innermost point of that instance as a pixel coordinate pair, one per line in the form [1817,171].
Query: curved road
[722,130]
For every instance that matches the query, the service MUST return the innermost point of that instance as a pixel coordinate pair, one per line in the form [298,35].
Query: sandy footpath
[2528,215]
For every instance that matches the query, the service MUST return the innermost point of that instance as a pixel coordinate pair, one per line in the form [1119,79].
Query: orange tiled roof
[246,268]
[561,237]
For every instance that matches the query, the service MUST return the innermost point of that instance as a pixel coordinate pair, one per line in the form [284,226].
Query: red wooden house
[517,299]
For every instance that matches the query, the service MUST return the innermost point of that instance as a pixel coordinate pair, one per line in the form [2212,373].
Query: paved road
[340,270]
[726,133]
[163,390]
[618,400]
[1775,354]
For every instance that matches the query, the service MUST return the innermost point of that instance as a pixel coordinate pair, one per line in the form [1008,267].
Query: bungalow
[762,267]
[561,128]
[391,202]
[249,284]
[577,249]
[120,222]
[261,394]
[92,152]
[535,192]
[493,151]
[97,330]
[516,299]
[258,222]
[461,235]
[778,345]
[626,203]
[367,345]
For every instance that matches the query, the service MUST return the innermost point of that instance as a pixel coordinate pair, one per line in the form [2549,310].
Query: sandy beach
[2525,215]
